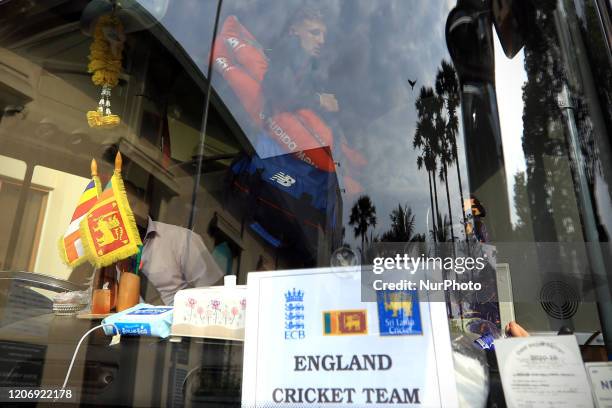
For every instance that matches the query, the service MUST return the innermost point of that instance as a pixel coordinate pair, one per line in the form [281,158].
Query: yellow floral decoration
[105,66]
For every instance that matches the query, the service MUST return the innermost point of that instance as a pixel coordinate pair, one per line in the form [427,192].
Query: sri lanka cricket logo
[398,312]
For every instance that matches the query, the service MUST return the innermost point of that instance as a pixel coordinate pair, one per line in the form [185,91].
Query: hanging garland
[105,65]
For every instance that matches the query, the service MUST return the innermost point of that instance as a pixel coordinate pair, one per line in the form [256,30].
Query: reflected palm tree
[427,138]
[521,205]
[436,137]
[402,225]
[446,158]
[447,87]
[363,216]
[421,160]
[545,77]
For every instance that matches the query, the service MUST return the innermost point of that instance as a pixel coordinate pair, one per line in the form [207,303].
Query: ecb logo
[294,315]
[398,312]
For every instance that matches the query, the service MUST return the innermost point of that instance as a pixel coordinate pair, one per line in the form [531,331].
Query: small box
[216,312]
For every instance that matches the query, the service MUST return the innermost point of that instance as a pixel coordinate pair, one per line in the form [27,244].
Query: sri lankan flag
[108,229]
[345,322]
[70,244]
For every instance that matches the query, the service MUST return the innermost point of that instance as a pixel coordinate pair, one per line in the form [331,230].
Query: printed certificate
[543,371]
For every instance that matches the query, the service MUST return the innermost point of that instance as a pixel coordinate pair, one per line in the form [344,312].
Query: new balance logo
[283,179]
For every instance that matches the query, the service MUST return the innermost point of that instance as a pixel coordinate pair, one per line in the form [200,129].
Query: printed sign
[310,341]
[600,377]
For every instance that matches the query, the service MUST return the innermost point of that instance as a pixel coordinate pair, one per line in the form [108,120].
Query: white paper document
[310,341]
[543,371]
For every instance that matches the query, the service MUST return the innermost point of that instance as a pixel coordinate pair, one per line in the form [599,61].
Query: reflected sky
[191,24]
[510,77]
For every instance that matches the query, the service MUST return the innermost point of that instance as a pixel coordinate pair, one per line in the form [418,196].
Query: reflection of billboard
[290,204]
[275,123]
[262,91]
[291,181]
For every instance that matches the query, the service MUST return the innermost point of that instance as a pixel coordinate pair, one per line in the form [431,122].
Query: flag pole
[118,162]
[95,178]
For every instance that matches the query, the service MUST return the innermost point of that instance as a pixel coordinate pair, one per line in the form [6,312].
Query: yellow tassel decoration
[105,67]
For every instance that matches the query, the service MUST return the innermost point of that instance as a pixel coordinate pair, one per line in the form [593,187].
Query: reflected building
[47,147]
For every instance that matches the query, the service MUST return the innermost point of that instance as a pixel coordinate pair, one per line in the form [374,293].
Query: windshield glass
[266,135]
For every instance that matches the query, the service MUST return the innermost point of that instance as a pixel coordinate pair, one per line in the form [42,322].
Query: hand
[515,330]
[329,102]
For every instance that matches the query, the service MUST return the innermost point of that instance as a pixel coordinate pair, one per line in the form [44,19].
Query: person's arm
[197,264]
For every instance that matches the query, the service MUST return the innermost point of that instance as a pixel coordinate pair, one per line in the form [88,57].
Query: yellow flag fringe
[119,196]
[64,257]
